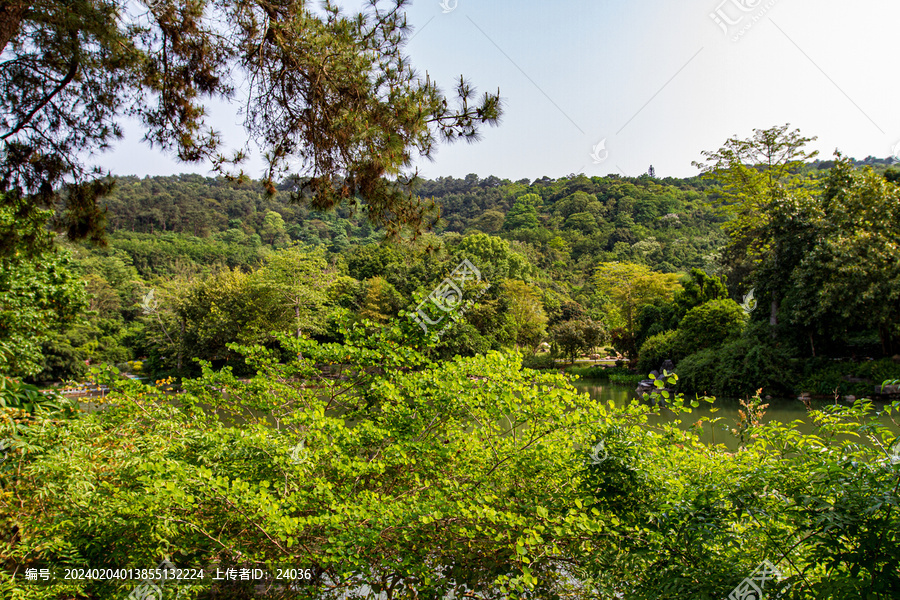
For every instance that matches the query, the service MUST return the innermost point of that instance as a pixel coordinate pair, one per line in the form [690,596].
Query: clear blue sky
[659,81]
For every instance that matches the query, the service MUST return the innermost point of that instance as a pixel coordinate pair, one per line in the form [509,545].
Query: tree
[380,302]
[330,90]
[525,313]
[710,325]
[299,279]
[849,276]
[273,229]
[629,287]
[40,294]
[573,338]
[523,214]
[493,257]
[698,288]
[755,177]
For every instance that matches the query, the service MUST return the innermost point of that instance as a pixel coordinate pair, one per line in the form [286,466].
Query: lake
[785,410]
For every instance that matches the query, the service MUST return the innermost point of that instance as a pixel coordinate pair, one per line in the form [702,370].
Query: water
[784,410]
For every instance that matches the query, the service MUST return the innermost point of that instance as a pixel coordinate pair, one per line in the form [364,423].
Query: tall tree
[755,177]
[330,90]
[850,275]
[525,314]
[629,287]
[298,280]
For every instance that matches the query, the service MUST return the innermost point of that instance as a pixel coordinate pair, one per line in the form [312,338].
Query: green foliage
[656,318]
[698,289]
[468,476]
[74,70]
[629,287]
[826,377]
[28,398]
[494,257]
[848,276]
[525,314]
[710,325]
[754,176]
[657,349]
[738,368]
[523,214]
[575,337]
[539,361]
[39,295]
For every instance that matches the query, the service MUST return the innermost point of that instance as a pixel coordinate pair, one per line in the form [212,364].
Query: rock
[850,399]
[768,397]
[645,387]
[896,358]
[668,366]
[655,374]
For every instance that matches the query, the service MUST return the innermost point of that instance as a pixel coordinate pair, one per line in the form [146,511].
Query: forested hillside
[538,245]
[654,268]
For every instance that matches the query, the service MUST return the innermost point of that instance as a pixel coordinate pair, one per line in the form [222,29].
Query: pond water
[784,410]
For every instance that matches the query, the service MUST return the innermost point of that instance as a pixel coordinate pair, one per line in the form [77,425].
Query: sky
[614,86]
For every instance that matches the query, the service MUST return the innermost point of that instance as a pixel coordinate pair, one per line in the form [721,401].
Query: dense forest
[649,265]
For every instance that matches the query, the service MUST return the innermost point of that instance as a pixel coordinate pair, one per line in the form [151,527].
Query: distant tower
[651,172]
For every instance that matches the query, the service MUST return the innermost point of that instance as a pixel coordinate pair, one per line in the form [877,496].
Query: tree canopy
[330,91]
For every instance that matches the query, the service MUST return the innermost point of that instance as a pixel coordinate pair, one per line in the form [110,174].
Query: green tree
[494,257]
[710,325]
[40,292]
[334,90]
[380,301]
[576,337]
[523,214]
[697,289]
[525,314]
[659,348]
[296,283]
[849,275]
[273,229]
[755,178]
[629,287]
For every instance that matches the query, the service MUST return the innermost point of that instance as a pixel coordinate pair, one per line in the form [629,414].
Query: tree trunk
[11,14]
[811,345]
[773,312]
[181,345]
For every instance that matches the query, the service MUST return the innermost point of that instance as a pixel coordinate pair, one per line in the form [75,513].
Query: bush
[738,368]
[827,377]
[539,361]
[657,349]
[418,480]
[711,324]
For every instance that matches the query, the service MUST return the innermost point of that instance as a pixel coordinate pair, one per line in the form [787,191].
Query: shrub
[738,368]
[539,361]
[827,377]
[657,349]
[711,324]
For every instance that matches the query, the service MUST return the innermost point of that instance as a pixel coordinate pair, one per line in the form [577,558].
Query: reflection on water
[784,410]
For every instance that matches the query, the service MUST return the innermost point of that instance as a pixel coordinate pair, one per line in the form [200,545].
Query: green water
[784,410]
